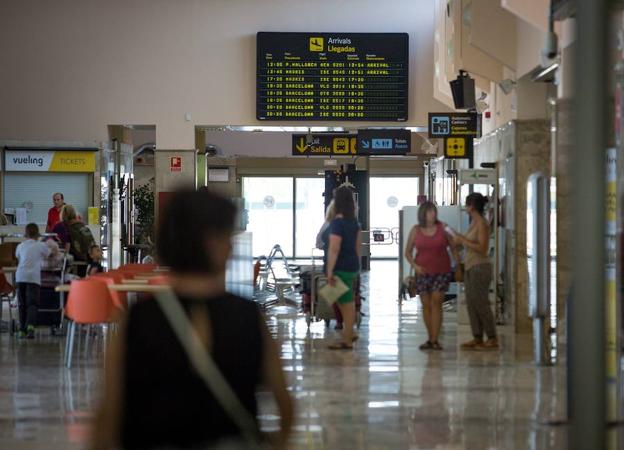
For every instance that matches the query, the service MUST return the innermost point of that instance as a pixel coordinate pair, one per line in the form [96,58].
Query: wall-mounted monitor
[332,76]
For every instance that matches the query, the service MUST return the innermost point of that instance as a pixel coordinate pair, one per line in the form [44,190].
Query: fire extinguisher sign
[176,164]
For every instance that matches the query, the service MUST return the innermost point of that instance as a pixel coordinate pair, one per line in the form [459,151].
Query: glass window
[310,213]
[269,201]
[387,197]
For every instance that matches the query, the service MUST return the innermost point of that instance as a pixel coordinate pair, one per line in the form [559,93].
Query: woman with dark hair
[343,260]
[478,275]
[159,393]
[427,253]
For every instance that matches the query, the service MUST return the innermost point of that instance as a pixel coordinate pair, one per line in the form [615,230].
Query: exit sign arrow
[301,146]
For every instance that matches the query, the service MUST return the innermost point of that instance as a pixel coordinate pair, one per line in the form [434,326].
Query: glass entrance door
[269,202]
[274,218]
[387,196]
[309,213]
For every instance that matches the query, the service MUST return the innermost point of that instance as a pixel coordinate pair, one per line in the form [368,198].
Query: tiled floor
[384,395]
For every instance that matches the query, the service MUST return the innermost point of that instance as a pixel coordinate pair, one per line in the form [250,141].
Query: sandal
[426,346]
[436,346]
[340,346]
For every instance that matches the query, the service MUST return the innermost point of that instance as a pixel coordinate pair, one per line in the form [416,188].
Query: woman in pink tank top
[427,252]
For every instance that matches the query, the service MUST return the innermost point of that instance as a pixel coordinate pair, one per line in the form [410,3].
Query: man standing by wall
[54,213]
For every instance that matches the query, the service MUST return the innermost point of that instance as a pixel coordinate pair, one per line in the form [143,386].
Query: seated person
[95,255]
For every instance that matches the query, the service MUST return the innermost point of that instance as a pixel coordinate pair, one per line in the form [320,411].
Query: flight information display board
[332,76]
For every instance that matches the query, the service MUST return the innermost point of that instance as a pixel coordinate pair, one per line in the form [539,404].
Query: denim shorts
[425,284]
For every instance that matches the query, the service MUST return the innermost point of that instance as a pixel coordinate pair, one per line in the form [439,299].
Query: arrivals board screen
[332,76]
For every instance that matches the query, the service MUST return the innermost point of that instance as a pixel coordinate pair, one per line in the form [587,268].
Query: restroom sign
[176,164]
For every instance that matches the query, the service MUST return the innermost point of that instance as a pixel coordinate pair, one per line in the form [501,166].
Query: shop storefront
[30,176]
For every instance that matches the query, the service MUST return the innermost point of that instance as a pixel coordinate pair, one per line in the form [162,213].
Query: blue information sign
[384,141]
[447,125]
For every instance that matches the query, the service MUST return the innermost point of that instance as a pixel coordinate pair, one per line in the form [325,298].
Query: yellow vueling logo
[317,44]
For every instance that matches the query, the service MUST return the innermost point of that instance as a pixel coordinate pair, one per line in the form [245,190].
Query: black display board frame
[296,83]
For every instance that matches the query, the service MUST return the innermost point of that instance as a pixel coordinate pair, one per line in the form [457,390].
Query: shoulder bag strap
[206,367]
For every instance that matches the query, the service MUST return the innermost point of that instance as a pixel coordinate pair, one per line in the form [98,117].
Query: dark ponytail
[477,201]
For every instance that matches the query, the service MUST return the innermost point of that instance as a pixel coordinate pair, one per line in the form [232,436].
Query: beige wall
[534,12]
[70,68]
[168,180]
[530,43]
[494,31]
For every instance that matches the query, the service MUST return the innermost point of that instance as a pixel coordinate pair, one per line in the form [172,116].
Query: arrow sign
[388,141]
[301,146]
[323,144]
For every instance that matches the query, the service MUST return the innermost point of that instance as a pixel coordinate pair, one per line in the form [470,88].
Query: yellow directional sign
[316,44]
[301,146]
[341,146]
[457,147]
[324,144]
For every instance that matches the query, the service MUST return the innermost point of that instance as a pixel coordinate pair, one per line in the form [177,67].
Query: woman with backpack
[79,237]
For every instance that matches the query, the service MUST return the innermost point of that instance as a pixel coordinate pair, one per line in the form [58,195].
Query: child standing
[30,256]
[95,255]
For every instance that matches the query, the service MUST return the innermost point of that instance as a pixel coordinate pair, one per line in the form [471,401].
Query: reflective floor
[384,395]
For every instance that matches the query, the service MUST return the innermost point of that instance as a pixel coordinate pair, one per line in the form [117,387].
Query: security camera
[507,85]
[482,106]
[212,150]
[309,138]
[428,147]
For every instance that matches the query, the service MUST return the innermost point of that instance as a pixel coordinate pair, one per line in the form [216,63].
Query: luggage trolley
[51,311]
[311,282]
[316,310]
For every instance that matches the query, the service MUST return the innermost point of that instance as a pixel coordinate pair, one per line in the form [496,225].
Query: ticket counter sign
[49,161]
[324,145]
[449,125]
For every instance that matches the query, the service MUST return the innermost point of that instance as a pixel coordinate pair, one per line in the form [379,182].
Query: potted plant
[144,205]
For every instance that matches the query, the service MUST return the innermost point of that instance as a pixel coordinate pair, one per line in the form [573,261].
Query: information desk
[332,76]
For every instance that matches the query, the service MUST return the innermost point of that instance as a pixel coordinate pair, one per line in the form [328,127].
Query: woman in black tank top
[154,398]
